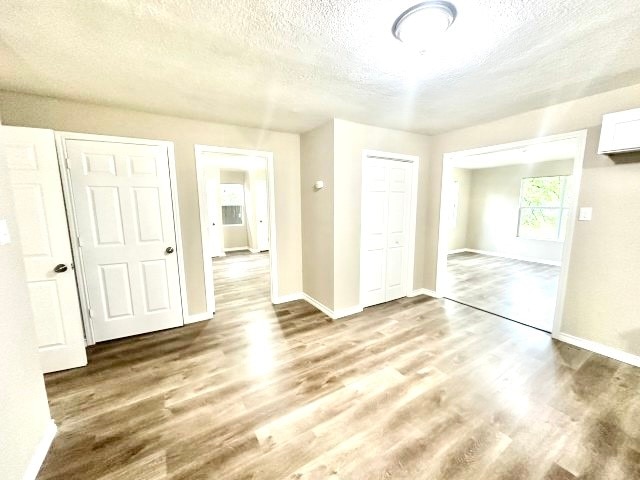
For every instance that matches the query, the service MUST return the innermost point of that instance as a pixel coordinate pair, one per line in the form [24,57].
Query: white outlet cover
[585,214]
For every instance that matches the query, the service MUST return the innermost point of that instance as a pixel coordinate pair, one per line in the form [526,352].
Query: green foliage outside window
[543,214]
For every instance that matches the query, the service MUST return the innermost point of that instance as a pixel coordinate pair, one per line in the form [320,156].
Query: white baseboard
[600,348]
[292,297]
[423,291]
[198,317]
[504,255]
[41,451]
[334,315]
[236,249]
[347,312]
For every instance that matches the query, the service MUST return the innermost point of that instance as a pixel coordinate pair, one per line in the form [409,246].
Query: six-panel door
[125,222]
[385,230]
[44,237]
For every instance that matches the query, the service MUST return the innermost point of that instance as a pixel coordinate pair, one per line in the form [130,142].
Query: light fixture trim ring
[448,7]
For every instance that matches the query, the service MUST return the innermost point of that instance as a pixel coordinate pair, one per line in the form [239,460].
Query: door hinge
[91,312]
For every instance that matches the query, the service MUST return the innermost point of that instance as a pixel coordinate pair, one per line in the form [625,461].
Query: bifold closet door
[124,216]
[46,248]
[385,229]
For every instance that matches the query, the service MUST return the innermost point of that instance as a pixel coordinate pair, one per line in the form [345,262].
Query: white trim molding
[334,315]
[41,451]
[506,255]
[292,297]
[599,348]
[423,291]
[198,317]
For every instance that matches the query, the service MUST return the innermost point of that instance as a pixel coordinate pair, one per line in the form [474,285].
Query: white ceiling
[539,152]
[292,64]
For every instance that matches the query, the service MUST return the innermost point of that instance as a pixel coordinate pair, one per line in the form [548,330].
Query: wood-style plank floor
[418,389]
[521,291]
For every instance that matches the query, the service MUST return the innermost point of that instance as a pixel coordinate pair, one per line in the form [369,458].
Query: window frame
[562,208]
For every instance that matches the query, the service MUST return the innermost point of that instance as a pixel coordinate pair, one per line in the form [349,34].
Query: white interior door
[262,212]
[398,222]
[46,248]
[214,212]
[125,223]
[386,203]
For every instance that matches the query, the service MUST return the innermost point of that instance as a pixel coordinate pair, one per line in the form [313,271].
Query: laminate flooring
[418,388]
[521,291]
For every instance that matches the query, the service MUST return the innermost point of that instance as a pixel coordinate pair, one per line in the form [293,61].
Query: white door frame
[61,139]
[580,138]
[413,214]
[200,151]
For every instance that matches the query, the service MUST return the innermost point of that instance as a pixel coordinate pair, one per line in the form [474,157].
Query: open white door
[214,212]
[46,247]
[125,224]
[262,211]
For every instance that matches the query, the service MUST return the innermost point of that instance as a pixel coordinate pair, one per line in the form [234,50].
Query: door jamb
[414,160]
[580,137]
[61,139]
[200,151]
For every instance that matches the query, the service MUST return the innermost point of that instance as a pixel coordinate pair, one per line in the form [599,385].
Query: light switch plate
[585,215]
[5,238]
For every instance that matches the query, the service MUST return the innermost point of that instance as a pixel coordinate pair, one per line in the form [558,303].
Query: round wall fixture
[420,24]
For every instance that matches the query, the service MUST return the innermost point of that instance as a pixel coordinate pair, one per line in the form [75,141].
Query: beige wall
[350,141]
[316,158]
[494,203]
[458,232]
[599,304]
[24,412]
[35,111]
[235,236]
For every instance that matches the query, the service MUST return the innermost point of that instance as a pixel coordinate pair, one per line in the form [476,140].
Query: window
[232,200]
[543,208]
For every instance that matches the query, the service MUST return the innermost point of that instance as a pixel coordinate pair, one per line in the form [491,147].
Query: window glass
[543,208]
[232,200]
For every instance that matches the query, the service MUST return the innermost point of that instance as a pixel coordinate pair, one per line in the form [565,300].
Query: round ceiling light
[420,24]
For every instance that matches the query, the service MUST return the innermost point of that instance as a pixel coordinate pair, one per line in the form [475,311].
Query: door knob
[61,267]
[169,250]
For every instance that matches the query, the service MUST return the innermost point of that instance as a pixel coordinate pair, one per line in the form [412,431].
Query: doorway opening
[506,223]
[237,217]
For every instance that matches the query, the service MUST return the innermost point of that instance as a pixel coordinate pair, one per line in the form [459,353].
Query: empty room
[507,211]
[356,240]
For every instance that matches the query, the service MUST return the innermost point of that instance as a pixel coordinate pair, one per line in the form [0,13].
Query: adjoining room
[235,206]
[507,210]
[319,240]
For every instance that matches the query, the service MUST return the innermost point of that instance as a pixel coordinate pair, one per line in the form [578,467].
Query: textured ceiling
[292,64]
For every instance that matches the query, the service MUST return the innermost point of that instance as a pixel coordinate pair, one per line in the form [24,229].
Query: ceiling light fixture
[419,25]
